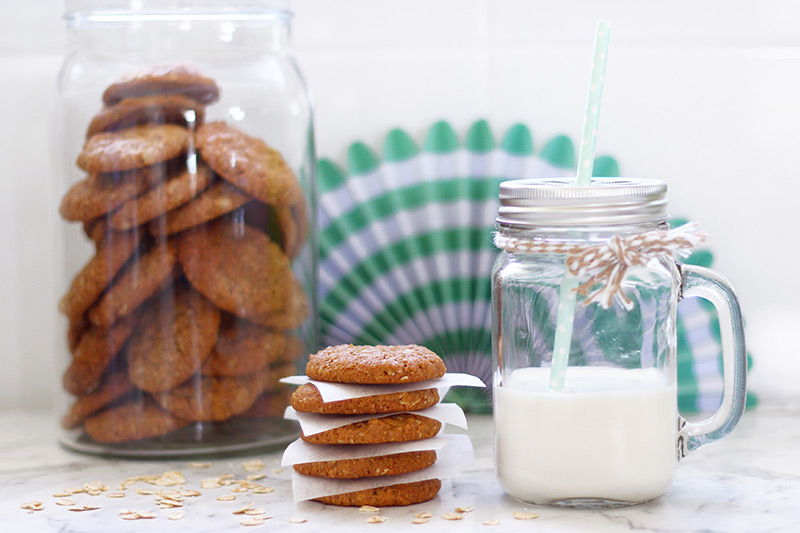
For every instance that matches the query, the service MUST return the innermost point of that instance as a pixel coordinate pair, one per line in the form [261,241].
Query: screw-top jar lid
[560,202]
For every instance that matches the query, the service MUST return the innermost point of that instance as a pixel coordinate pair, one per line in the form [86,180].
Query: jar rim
[104,11]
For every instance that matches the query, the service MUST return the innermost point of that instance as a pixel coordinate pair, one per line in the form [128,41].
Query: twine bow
[608,263]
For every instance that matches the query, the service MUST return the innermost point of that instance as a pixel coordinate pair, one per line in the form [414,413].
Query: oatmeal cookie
[131,421]
[173,340]
[115,386]
[237,267]
[393,428]
[307,399]
[381,465]
[379,365]
[164,79]
[400,494]
[135,284]
[249,163]
[140,146]
[159,109]
[291,315]
[164,197]
[243,348]
[218,199]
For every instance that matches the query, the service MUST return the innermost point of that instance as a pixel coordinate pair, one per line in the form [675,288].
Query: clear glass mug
[610,434]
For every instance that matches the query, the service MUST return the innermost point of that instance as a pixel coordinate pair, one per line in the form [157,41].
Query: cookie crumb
[525,516]
[453,516]
[376,519]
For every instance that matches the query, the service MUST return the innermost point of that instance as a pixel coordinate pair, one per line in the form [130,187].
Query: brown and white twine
[608,263]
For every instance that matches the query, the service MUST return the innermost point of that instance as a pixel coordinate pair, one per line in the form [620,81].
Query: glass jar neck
[585,233]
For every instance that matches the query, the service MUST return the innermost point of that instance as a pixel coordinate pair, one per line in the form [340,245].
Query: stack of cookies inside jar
[371,422]
[185,314]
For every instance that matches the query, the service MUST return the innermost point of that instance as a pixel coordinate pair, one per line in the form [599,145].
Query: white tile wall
[700,94]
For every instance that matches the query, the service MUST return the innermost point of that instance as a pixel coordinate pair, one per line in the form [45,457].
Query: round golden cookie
[164,197]
[94,277]
[307,399]
[393,428]
[378,365]
[99,194]
[113,387]
[137,147]
[173,340]
[249,163]
[134,420]
[291,315]
[206,398]
[95,350]
[243,348]
[271,404]
[164,79]
[381,465]
[159,109]
[237,267]
[218,199]
[400,494]
[135,284]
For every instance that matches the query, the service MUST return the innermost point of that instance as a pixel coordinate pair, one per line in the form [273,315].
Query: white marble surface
[749,482]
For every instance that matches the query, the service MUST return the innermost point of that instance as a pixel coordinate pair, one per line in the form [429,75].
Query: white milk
[610,435]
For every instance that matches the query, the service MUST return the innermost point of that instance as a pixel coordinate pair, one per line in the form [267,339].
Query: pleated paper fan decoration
[406,240]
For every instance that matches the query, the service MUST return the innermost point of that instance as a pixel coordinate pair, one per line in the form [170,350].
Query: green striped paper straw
[567,294]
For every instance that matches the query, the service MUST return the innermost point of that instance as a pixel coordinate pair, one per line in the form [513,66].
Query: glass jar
[189,269]
[584,298]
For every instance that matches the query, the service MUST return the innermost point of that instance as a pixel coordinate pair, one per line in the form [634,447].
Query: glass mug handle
[707,284]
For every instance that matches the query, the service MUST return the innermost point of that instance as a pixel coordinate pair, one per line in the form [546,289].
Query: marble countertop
[748,482]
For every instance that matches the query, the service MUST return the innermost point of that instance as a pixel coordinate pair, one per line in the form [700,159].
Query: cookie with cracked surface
[175,337]
[113,387]
[158,109]
[171,193]
[94,352]
[98,194]
[248,163]
[218,199]
[381,465]
[307,399]
[237,267]
[243,348]
[131,421]
[135,284]
[400,494]
[392,428]
[137,147]
[94,277]
[164,79]
[378,365]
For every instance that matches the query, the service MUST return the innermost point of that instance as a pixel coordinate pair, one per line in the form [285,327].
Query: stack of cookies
[391,419]
[184,313]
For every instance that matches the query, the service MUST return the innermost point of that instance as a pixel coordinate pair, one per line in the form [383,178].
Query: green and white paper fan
[406,242]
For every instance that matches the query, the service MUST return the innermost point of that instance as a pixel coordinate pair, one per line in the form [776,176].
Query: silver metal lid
[560,202]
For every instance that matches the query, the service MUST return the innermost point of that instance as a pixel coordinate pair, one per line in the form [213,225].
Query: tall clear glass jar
[585,292]
[189,270]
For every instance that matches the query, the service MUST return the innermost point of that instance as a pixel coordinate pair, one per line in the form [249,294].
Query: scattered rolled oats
[257,521]
[168,479]
[277,471]
[423,515]
[453,516]
[257,511]
[255,477]
[245,508]
[525,516]
[226,498]
[368,509]
[199,465]
[63,494]
[190,493]
[491,522]
[253,465]
[420,520]
[65,502]
[115,495]
[239,489]
[296,520]
[263,490]
[376,519]
[212,483]
[80,508]
[129,514]
[177,516]
[33,506]
[464,510]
